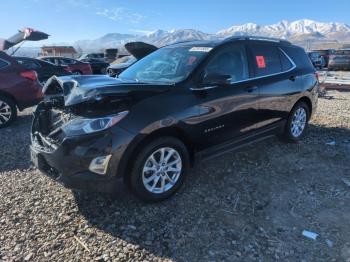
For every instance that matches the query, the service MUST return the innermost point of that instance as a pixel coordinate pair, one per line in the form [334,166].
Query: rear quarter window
[299,57]
[267,59]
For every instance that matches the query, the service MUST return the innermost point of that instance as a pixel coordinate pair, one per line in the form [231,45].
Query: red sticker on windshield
[260,60]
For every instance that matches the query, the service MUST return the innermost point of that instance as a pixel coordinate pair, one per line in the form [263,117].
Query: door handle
[251,88]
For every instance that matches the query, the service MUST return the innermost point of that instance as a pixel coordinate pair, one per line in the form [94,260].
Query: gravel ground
[250,205]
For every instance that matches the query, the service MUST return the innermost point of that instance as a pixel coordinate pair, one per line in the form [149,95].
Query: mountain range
[301,32]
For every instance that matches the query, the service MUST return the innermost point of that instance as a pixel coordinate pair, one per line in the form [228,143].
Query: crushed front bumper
[69,163]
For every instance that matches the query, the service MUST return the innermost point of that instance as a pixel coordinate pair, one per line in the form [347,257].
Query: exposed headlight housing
[81,125]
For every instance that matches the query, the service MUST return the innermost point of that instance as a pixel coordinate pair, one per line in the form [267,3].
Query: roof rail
[181,42]
[257,38]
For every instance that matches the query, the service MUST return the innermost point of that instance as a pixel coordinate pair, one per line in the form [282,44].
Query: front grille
[47,132]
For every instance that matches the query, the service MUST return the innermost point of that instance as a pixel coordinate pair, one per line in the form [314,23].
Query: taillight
[31,75]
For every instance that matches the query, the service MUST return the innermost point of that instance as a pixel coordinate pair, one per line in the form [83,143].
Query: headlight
[80,126]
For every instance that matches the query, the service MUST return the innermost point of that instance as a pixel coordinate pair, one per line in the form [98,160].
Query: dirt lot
[250,205]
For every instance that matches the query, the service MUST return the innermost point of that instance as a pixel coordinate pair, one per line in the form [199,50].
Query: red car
[75,66]
[19,89]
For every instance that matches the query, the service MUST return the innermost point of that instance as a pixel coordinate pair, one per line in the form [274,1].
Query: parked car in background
[120,65]
[98,56]
[137,50]
[19,89]
[75,66]
[339,62]
[98,66]
[325,53]
[181,103]
[44,69]
[317,60]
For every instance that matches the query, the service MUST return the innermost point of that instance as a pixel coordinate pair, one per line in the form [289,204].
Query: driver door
[230,110]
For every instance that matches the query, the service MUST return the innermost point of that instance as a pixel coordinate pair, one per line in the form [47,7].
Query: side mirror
[216,80]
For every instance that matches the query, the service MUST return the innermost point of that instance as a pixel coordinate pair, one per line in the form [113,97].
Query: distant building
[66,51]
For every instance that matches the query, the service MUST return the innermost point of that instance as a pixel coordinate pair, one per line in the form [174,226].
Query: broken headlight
[79,126]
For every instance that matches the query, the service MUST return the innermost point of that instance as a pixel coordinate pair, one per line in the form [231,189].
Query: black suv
[177,105]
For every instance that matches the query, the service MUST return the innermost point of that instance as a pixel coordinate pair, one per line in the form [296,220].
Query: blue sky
[70,20]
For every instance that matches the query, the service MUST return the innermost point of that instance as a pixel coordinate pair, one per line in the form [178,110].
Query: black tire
[136,179]
[288,134]
[4,101]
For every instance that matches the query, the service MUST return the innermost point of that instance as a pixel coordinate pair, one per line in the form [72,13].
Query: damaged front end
[69,110]
[72,139]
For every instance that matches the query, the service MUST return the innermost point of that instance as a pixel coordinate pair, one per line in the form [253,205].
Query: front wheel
[297,123]
[8,111]
[159,169]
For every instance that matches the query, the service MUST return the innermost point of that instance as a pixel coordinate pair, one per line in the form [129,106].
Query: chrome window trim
[253,78]
[6,62]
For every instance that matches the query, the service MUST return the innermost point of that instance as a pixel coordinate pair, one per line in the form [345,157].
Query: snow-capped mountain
[287,29]
[300,31]
[161,37]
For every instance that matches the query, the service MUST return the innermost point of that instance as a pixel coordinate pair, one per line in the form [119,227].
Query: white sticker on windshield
[201,49]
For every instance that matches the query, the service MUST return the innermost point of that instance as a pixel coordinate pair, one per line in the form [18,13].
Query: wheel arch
[127,159]
[307,101]
[9,96]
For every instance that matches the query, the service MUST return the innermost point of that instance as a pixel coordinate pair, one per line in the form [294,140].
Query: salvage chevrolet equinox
[175,106]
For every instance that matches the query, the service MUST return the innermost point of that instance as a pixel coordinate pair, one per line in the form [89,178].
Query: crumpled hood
[82,89]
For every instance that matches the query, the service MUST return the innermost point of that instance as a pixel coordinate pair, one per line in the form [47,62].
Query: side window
[28,64]
[230,60]
[67,61]
[61,61]
[50,60]
[3,63]
[266,59]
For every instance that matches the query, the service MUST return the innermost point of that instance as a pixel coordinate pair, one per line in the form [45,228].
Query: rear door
[277,81]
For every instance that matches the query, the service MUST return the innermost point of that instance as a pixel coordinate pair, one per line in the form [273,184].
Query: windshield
[166,65]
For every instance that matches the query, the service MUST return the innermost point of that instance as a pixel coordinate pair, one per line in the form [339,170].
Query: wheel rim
[298,122]
[5,112]
[162,170]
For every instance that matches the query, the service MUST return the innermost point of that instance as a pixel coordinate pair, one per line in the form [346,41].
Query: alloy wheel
[5,112]
[298,122]
[162,170]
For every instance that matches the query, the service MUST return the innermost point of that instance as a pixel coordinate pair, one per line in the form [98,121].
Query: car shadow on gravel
[238,204]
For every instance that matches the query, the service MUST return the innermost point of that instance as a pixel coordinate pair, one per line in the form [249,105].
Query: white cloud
[121,14]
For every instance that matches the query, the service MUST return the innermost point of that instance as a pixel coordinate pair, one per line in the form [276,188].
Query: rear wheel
[159,169]
[8,111]
[297,123]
